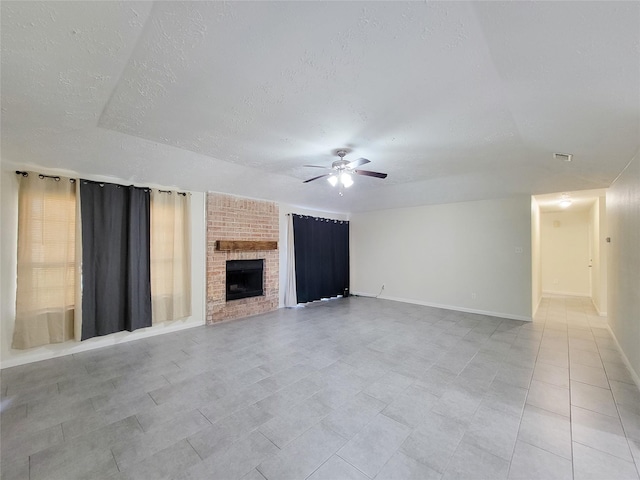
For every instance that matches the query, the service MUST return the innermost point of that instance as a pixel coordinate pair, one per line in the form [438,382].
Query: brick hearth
[237,218]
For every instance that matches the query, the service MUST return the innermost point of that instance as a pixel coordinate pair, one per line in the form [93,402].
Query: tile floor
[350,389]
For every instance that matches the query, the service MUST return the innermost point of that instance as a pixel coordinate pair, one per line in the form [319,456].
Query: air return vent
[565,157]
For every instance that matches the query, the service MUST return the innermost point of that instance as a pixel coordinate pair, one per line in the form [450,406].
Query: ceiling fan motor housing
[340,164]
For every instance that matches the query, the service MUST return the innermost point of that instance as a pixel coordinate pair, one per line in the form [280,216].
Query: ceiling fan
[342,171]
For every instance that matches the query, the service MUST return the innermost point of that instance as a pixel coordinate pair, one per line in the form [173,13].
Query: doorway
[568,257]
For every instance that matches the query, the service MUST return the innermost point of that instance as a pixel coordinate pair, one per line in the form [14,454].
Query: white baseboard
[564,294]
[510,316]
[626,361]
[535,310]
[47,352]
[602,314]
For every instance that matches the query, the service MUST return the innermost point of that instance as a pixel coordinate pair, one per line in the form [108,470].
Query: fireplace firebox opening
[244,279]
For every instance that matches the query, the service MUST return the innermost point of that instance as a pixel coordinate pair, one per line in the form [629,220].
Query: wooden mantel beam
[246,245]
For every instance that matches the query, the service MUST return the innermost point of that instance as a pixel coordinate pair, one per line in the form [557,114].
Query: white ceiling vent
[565,157]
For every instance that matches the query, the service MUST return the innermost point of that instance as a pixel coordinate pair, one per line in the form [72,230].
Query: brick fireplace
[237,218]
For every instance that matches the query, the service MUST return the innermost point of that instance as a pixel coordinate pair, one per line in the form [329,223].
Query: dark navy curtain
[322,257]
[116,273]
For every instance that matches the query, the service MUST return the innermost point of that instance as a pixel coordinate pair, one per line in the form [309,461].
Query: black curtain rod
[117,185]
[319,218]
[73,180]
[184,194]
[146,189]
[42,176]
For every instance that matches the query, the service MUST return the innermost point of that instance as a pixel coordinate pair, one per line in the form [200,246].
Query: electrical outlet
[474,296]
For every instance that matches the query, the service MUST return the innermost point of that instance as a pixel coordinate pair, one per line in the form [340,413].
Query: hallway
[580,374]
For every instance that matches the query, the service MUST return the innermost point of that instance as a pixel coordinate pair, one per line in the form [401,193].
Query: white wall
[564,247]
[623,225]
[472,256]
[8,258]
[536,265]
[597,226]
[283,246]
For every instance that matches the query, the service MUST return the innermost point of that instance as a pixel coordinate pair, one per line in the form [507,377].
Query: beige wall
[597,226]
[471,256]
[623,226]
[564,252]
[536,266]
[8,258]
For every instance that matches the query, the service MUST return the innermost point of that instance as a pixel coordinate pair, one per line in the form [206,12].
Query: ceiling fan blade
[358,162]
[370,174]
[317,166]
[316,178]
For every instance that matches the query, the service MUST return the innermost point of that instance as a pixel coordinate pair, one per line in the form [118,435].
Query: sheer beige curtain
[45,295]
[290,294]
[170,255]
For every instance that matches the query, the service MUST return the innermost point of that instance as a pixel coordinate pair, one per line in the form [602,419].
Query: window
[46,283]
[49,254]
[170,255]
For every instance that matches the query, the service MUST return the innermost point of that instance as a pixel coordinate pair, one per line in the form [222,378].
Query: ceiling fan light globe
[346,180]
[333,180]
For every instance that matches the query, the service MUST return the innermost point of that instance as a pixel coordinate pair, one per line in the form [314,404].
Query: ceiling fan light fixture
[333,180]
[346,179]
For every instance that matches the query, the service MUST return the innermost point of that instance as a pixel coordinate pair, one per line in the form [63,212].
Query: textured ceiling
[455,101]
